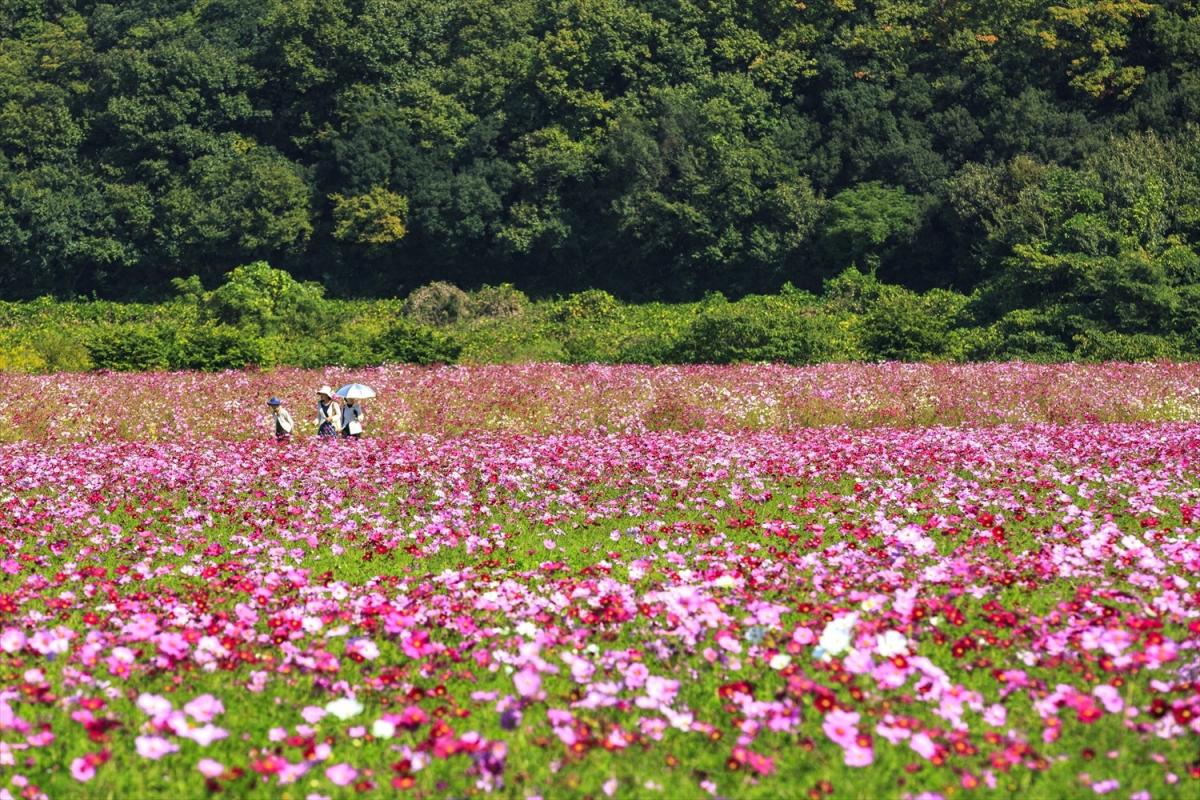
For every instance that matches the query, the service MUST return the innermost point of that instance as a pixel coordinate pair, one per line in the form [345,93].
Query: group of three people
[332,419]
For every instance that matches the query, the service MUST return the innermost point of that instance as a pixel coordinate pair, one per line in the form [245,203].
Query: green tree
[866,224]
[267,300]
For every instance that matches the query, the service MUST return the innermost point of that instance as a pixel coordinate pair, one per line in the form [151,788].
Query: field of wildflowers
[606,582]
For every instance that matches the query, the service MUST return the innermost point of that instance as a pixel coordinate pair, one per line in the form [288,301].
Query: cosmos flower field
[838,582]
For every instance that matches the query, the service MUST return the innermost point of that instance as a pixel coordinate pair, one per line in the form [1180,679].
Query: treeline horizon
[1041,157]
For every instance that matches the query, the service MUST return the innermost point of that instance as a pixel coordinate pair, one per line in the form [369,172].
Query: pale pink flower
[154,747]
[204,708]
[856,756]
[923,745]
[341,774]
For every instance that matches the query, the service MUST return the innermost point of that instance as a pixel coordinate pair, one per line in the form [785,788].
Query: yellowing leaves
[374,218]
[1095,35]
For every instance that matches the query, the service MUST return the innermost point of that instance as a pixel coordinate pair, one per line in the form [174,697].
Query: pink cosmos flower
[12,640]
[527,681]
[1110,698]
[661,691]
[207,734]
[636,674]
[841,727]
[313,714]
[154,706]
[204,708]
[82,769]
[210,768]
[923,745]
[341,774]
[154,747]
[856,756]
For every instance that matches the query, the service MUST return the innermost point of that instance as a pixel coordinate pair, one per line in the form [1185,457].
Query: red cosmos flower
[824,703]
[729,690]
[268,765]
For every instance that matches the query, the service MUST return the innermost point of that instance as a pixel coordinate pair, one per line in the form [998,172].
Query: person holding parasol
[352,413]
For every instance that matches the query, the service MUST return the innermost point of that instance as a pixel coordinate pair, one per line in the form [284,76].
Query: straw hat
[325,390]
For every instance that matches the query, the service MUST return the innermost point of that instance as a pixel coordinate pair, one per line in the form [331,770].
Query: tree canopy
[1037,152]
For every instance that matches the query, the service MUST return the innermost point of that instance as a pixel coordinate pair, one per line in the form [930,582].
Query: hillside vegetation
[1036,151]
[260,316]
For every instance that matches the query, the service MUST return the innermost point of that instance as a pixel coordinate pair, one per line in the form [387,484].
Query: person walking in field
[283,420]
[352,419]
[329,415]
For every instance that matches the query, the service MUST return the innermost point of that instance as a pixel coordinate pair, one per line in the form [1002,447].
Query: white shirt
[351,414]
[330,414]
[285,420]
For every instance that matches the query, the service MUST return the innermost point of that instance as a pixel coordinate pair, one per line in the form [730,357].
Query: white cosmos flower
[780,661]
[836,637]
[891,643]
[382,729]
[344,708]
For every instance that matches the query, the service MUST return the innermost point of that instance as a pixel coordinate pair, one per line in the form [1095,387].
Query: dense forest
[1038,154]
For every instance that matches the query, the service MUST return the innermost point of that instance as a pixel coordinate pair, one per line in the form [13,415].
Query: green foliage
[1020,335]
[1109,346]
[727,333]
[866,223]
[131,347]
[657,150]
[267,300]
[412,343]
[21,358]
[901,325]
[592,304]
[216,347]
[59,351]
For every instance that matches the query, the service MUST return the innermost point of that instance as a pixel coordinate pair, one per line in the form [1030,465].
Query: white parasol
[355,391]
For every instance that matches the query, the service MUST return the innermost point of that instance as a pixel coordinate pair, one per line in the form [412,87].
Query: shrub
[1111,346]
[517,340]
[21,358]
[498,302]
[583,344]
[727,333]
[268,300]
[646,348]
[593,304]
[852,290]
[1023,334]
[901,325]
[373,219]
[412,343]
[61,351]
[438,303]
[215,348]
[129,348]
